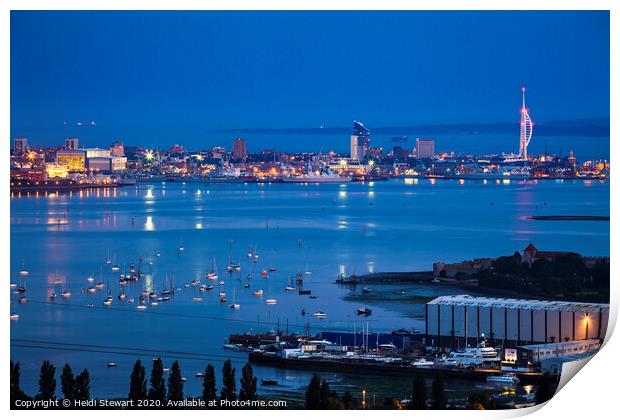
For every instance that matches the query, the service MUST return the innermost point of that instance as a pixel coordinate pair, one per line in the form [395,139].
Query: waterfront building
[118,163]
[20,146]
[451,321]
[360,141]
[95,152]
[74,160]
[100,164]
[425,148]
[532,254]
[117,149]
[240,150]
[56,170]
[526,128]
[72,143]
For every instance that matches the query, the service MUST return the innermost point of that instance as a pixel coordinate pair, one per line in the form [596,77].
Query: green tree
[16,391]
[248,384]
[313,393]
[67,382]
[81,391]
[209,390]
[229,384]
[47,382]
[545,390]
[438,394]
[324,394]
[137,383]
[418,398]
[158,386]
[175,383]
[348,402]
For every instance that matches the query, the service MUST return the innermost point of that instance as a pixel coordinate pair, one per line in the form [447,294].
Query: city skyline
[116,84]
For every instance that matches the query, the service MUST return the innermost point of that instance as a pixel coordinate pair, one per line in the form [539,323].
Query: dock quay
[387,277]
[400,369]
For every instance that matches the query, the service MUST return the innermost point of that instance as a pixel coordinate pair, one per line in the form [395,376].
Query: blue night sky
[151,76]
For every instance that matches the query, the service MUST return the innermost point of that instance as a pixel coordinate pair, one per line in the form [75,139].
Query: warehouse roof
[541,305]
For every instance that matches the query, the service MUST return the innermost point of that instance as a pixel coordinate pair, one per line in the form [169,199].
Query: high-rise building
[72,143]
[117,149]
[425,148]
[360,141]
[20,146]
[526,128]
[240,150]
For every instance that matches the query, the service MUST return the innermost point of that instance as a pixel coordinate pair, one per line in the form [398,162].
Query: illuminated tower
[526,128]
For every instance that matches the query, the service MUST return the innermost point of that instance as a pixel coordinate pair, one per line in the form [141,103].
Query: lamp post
[363,398]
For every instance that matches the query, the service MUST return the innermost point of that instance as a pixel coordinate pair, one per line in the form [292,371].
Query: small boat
[183,379]
[212,275]
[112,364]
[22,299]
[141,306]
[364,311]
[422,363]
[115,268]
[23,273]
[223,299]
[108,301]
[366,290]
[234,306]
[435,280]
[90,279]
[221,283]
[263,273]
[91,290]
[289,288]
[152,295]
[90,305]
[14,316]
[154,303]
[53,295]
[246,286]
[21,289]
[122,296]
[209,287]
[13,285]
[66,293]
[181,248]
[271,301]
[313,297]
[505,378]
[197,299]
[319,314]
[158,254]
[258,292]
[271,269]
[387,347]
[195,282]
[200,374]
[222,294]
[268,382]
[130,300]
[203,287]
[99,285]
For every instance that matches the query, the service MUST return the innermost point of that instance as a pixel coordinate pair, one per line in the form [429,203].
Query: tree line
[156,389]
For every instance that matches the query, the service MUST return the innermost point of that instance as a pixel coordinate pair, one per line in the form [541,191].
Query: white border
[591,394]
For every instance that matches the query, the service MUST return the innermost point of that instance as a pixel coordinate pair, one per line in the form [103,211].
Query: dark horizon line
[597,127]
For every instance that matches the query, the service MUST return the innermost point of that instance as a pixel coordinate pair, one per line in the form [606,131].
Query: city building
[100,164]
[72,143]
[360,141]
[95,152]
[55,170]
[240,150]
[20,146]
[453,320]
[532,254]
[74,160]
[425,148]
[525,134]
[118,163]
[117,149]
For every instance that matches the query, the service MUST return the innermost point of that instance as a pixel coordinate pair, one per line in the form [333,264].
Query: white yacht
[474,356]
[505,378]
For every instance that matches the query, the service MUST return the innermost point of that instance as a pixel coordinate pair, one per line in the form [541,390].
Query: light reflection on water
[408,227]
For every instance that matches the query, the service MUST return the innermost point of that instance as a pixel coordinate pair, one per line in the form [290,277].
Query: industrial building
[452,321]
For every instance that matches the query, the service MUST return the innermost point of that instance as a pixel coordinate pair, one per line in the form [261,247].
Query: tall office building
[20,146]
[240,150]
[360,141]
[117,149]
[72,143]
[425,148]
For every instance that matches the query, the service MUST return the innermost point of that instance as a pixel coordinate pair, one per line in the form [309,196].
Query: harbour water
[325,230]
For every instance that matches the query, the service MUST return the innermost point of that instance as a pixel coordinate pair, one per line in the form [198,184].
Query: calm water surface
[322,229]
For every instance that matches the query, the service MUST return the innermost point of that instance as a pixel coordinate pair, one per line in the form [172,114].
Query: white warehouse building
[453,320]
